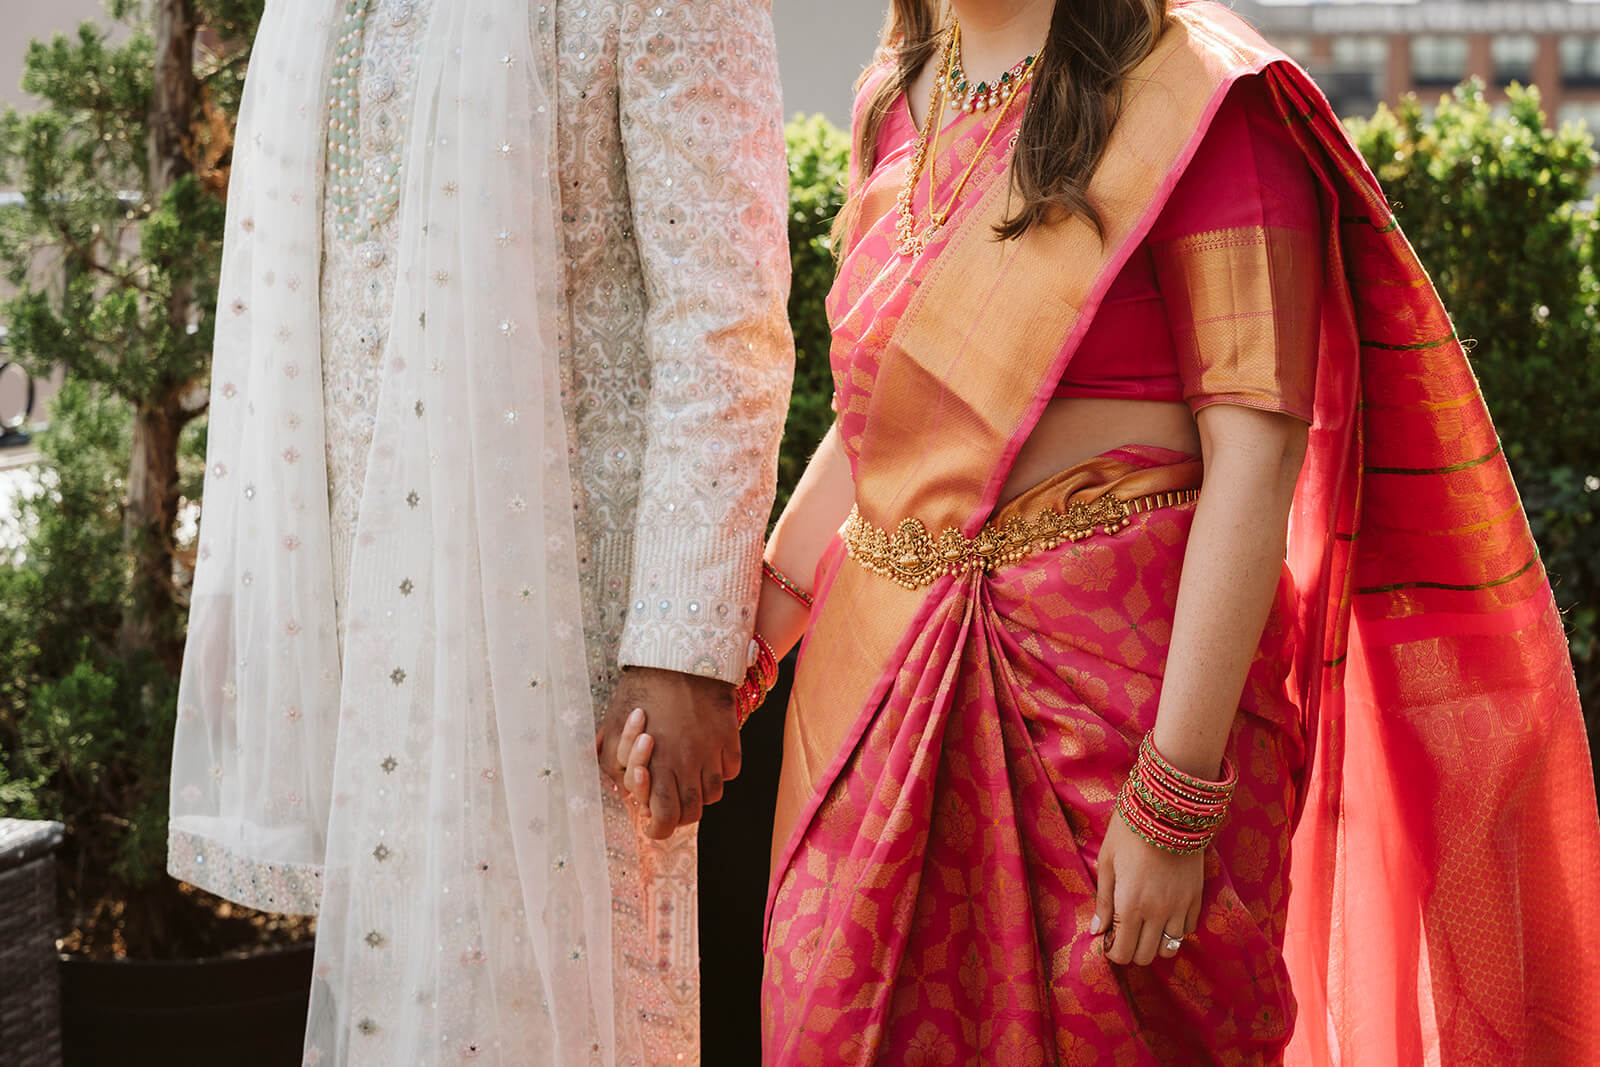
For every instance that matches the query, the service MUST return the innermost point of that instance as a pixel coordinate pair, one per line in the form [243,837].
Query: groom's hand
[696,736]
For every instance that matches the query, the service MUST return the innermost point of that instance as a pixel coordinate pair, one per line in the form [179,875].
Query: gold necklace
[908,241]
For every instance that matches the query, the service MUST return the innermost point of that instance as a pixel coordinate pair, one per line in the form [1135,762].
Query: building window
[1580,61]
[1360,54]
[1296,48]
[1513,59]
[1587,114]
[1360,71]
[1438,61]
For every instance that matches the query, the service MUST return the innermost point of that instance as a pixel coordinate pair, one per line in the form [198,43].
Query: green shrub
[819,156]
[1496,208]
[85,729]
[122,191]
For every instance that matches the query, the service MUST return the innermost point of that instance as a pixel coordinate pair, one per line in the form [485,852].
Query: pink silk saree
[1410,725]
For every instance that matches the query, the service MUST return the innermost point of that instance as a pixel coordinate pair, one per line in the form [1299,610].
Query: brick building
[1362,53]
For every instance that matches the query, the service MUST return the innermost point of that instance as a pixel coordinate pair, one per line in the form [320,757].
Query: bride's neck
[997,33]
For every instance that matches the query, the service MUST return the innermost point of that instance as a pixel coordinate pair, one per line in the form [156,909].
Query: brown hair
[1075,99]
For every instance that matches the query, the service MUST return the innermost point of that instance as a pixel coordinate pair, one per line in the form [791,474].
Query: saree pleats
[948,880]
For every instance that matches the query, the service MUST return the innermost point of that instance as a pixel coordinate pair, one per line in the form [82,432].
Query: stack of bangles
[758,680]
[763,672]
[1174,811]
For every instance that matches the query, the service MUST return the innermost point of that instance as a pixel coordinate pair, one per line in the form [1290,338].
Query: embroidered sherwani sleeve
[702,132]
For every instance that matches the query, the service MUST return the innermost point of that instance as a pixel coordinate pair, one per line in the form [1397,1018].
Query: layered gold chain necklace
[909,240]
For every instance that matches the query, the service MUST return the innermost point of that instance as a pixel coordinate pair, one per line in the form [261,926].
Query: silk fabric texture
[465,700]
[952,752]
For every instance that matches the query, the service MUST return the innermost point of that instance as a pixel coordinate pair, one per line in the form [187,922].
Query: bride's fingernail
[635,716]
[1095,924]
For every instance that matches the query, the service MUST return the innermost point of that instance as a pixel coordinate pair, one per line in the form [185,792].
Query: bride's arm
[810,521]
[1231,570]
[819,506]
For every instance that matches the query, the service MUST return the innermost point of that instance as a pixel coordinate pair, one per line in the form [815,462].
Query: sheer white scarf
[440,794]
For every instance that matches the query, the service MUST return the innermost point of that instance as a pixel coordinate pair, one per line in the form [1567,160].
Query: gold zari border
[916,559]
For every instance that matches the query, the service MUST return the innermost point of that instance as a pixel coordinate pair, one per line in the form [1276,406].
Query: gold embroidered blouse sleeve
[703,137]
[1243,308]
[1239,259]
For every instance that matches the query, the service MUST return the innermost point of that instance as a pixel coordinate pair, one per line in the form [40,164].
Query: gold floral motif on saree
[914,558]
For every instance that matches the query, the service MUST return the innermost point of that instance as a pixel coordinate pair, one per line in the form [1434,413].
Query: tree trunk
[149,618]
[173,96]
[149,622]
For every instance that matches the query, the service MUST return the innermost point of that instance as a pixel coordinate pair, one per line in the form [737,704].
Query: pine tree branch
[85,258]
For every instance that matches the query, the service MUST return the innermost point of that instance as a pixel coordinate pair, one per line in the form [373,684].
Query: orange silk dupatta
[1447,836]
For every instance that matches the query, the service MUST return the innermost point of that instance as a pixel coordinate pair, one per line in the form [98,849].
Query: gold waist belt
[914,558]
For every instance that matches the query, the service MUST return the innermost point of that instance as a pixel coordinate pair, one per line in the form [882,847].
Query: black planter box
[248,1011]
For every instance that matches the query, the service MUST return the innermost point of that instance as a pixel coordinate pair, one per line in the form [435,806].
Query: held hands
[698,747]
[1147,900]
[634,747]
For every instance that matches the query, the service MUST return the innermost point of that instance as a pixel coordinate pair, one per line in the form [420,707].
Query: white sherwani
[675,358]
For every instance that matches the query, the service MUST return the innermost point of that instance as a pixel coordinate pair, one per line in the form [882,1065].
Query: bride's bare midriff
[1079,428]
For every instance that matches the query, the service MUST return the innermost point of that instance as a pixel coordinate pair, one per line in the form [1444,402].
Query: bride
[1162,557]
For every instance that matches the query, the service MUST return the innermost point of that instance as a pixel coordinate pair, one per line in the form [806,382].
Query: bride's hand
[1144,897]
[634,748]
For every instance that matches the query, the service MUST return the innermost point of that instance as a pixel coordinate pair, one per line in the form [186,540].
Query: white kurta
[675,352]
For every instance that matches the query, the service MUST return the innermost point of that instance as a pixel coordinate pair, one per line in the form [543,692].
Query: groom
[343,744]
[675,199]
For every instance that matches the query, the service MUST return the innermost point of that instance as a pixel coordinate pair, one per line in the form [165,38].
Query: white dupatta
[439,796]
